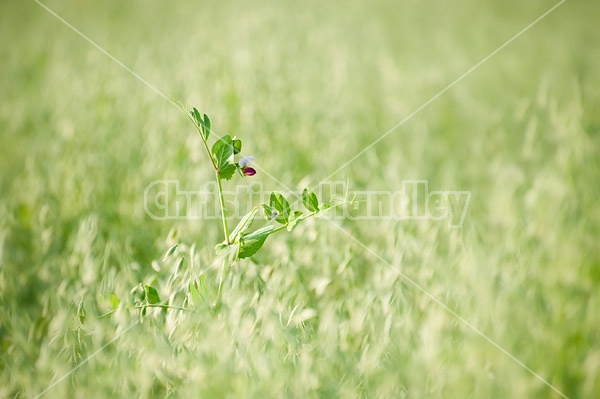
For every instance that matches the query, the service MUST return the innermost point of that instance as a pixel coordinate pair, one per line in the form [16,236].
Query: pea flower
[243,164]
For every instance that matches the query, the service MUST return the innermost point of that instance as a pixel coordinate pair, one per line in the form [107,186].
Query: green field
[342,308]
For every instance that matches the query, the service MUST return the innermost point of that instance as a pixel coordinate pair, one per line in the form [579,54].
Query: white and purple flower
[243,164]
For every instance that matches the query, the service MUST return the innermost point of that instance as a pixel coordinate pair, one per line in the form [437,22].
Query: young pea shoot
[241,242]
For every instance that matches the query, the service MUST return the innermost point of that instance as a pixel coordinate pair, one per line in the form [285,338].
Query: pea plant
[242,243]
[227,162]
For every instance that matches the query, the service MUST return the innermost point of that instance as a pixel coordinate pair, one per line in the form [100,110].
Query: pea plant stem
[222,202]
[217,177]
[284,226]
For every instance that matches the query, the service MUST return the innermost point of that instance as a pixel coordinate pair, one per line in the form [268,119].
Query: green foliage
[243,225]
[294,219]
[250,243]
[310,201]
[281,207]
[240,244]
[226,171]
[237,146]
[222,151]
[151,295]
[202,123]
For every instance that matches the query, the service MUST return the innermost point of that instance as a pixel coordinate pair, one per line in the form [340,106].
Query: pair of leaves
[222,151]
[203,123]
[278,208]
[243,225]
[244,245]
[250,243]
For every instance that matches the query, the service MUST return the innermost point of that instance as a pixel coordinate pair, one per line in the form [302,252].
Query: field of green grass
[507,306]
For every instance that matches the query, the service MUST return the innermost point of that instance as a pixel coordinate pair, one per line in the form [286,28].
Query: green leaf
[170,252]
[205,126]
[243,225]
[282,206]
[295,218]
[202,123]
[226,172]
[151,295]
[252,242]
[196,116]
[270,212]
[222,150]
[237,146]
[310,201]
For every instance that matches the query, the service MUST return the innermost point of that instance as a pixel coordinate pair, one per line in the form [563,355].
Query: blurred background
[307,85]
